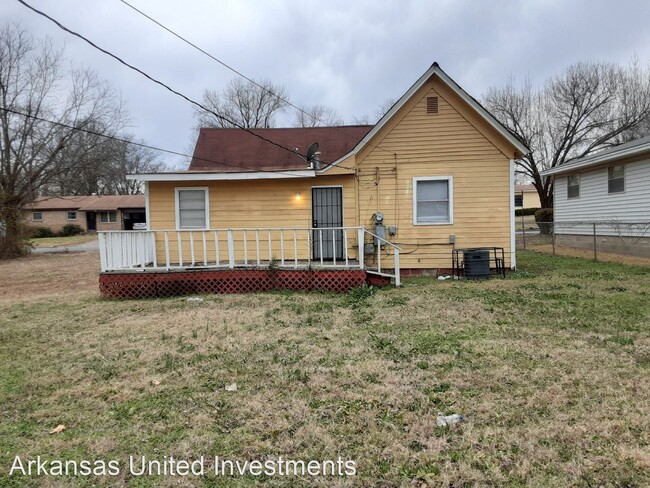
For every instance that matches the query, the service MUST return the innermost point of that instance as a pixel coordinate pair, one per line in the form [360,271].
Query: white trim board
[195,176]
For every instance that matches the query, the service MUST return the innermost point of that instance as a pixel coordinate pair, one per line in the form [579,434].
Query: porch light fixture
[298,197]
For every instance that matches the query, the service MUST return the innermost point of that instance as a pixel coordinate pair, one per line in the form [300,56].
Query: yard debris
[231,387]
[57,429]
[155,382]
[446,277]
[194,299]
[447,420]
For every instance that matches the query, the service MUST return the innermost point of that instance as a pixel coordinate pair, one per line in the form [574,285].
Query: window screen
[432,201]
[616,178]
[191,209]
[573,186]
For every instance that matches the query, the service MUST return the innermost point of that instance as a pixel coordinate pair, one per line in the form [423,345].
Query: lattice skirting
[163,284]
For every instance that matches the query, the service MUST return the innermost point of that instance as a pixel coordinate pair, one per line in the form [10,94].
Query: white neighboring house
[610,188]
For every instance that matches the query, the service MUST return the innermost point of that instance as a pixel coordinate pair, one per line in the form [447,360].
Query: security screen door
[327,212]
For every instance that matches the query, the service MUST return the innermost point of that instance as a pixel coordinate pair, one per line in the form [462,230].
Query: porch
[176,262]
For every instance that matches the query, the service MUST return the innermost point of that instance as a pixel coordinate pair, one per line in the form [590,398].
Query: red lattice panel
[165,284]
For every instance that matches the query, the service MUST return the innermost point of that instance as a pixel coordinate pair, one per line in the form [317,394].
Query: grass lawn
[62,241]
[527,222]
[551,368]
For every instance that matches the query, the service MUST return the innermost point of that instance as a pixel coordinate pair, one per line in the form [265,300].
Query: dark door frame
[338,235]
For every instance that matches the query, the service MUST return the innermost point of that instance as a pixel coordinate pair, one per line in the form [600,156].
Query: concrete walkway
[85,247]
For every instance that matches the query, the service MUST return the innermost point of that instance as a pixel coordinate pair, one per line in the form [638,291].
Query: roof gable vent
[432,105]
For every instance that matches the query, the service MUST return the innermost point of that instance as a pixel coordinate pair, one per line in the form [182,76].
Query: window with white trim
[192,210]
[616,179]
[433,200]
[573,186]
[108,217]
[72,215]
[37,216]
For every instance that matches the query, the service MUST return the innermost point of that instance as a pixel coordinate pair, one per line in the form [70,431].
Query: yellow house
[526,196]
[436,173]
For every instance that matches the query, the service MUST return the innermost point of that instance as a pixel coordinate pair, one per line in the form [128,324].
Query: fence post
[553,236]
[360,237]
[523,234]
[231,250]
[397,272]
[595,253]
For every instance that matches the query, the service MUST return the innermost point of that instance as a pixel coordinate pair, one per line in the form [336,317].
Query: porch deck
[177,262]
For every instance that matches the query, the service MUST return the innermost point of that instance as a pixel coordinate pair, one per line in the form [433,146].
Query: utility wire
[158,82]
[239,73]
[140,144]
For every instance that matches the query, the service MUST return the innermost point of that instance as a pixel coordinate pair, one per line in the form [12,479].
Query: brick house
[91,213]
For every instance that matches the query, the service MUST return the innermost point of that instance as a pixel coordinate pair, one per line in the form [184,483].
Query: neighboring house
[91,213]
[437,172]
[610,189]
[526,196]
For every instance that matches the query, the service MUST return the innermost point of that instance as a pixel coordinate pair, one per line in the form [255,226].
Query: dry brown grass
[550,367]
[42,275]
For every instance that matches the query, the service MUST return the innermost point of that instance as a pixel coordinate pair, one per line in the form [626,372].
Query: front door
[327,212]
[91,221]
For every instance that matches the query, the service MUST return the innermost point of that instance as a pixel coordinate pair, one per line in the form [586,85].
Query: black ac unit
[477,263]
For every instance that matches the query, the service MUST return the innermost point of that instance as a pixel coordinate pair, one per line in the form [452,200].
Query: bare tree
[102,166]
[129,159]
[317,116]
[383,107]
[589,106]
[33,82]
[246,104]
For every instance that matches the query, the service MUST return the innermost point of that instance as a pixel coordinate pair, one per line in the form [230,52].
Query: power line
[239,73]
[158,82]
[140,144]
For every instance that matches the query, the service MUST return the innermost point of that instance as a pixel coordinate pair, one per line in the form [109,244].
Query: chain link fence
[626,242]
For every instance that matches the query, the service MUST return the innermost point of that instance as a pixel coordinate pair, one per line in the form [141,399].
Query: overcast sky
[350,55]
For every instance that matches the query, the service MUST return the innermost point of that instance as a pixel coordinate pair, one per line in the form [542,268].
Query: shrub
[525,211]
[71,230]
[42,231]
[543,216]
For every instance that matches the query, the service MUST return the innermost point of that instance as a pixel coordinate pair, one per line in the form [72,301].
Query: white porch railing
[286,248]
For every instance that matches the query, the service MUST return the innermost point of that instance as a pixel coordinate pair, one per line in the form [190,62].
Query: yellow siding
[445,144]
[249,204]
[454,142]
[531,199]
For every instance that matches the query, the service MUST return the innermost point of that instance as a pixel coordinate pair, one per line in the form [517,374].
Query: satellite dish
[312,149]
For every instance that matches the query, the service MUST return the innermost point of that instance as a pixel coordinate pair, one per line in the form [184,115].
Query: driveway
[85,247]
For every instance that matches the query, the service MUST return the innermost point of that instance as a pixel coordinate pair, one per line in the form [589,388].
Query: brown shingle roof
[240,151]
[525,188]
[97,203]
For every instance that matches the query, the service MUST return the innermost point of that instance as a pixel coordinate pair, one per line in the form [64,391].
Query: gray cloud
[350,55]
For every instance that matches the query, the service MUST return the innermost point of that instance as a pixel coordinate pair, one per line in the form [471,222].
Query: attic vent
[432,105]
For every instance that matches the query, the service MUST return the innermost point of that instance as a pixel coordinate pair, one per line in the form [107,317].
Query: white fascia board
[261,175]
[596,160]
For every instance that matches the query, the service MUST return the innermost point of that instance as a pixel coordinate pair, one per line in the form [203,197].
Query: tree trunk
[13,241]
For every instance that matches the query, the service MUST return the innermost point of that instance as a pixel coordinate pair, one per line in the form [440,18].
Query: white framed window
[37,216]
[72,215]
[433,200]
[573,186]
[108,217]
[192,208]
[616,179]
